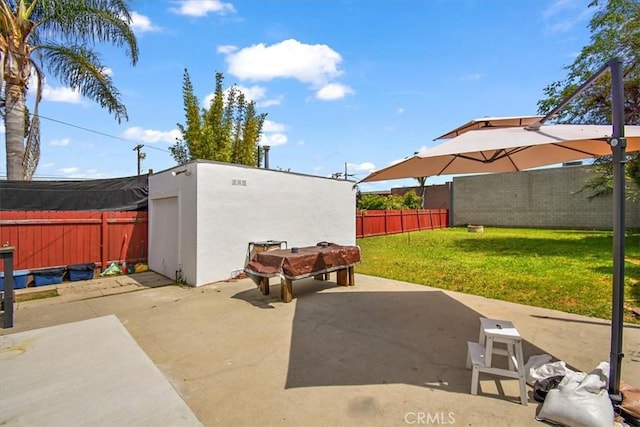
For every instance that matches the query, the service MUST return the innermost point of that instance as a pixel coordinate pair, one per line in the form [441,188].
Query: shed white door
[165,236]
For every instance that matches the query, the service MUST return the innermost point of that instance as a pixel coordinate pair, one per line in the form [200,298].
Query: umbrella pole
[618,145]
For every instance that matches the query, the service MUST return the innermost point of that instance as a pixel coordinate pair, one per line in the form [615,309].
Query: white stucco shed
[203,215]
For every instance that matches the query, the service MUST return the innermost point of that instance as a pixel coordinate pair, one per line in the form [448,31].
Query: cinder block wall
[435,196]
[545,198]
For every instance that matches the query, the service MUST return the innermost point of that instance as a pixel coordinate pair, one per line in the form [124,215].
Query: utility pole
[346,174]
[141,156]
[266,149]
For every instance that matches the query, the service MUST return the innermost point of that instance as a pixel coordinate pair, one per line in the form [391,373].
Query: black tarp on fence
[116,194]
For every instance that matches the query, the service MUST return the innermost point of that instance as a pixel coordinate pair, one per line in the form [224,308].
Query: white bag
[540,367]
[534,362]
[580,400]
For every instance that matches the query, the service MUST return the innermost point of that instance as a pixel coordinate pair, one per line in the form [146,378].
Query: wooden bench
[304,262]
[345,276]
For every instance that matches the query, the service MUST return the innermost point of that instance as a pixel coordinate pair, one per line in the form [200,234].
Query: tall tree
[422,182]
[227,131]
[252,123]
[192,129]
[615,31]
[55,35]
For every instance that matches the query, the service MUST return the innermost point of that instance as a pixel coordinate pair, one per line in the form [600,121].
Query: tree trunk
[14,131]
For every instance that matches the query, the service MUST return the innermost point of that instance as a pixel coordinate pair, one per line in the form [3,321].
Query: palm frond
[80,68]
[88,22]
[32,148]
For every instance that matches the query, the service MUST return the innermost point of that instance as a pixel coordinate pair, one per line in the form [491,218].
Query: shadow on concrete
[360,338]
[604,323]
[301,288]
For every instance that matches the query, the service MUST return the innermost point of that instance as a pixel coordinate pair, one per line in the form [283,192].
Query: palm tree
[55,34]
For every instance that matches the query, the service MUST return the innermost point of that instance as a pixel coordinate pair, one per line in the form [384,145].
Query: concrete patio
[381,353]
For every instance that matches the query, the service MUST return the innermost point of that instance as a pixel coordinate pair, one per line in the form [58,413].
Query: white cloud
[273,139]
[60,142]
[365,166]
[273,134]
[270,102]
[270,126]
[61,94]
[316,64]
[226,49]
[333,91]
[199,8]
[69,171]
[2,129]
[141,23]
[393,162]
[55,94]
[137,133]
[253,93]
[259,95]
[400,111]
[558,6]
[46,165]
[206,101]
[563,15]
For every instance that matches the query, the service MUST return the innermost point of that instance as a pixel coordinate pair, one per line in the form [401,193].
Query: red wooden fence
[376,223]
[58,238]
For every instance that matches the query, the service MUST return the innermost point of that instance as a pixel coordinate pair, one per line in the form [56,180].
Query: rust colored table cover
[308,261]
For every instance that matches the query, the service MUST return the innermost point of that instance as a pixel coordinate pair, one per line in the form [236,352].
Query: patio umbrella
[514,149]
[492,123]
[508,150]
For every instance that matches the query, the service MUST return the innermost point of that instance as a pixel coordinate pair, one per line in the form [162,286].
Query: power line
[97,132]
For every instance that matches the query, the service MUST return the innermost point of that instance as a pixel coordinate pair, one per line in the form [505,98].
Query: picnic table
[298,263]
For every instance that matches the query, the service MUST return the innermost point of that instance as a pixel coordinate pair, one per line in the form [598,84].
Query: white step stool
[479,354]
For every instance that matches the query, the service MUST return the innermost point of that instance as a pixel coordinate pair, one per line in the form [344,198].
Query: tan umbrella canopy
[491,123]
[508,150]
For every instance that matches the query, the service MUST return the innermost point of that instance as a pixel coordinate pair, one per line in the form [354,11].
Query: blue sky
[343,81]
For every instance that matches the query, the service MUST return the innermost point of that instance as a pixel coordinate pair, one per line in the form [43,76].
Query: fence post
[7,299]
[385,222]
[104,242]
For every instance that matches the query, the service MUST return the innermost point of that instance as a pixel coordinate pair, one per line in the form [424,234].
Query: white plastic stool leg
[510,355]
[474,380]
[524,399]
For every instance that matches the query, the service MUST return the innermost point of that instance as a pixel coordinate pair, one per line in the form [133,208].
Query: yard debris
[140,267]
[112,270]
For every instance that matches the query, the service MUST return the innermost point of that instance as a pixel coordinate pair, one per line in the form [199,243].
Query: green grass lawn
[558,269]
